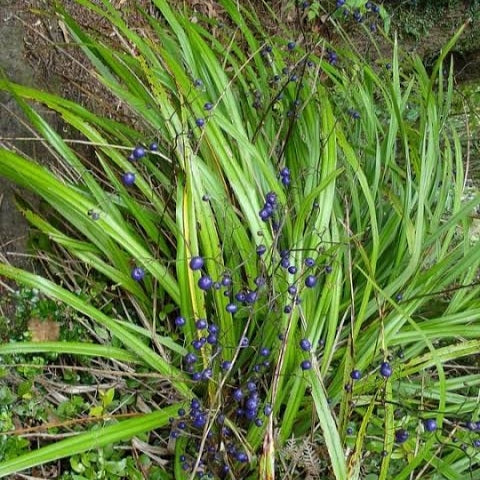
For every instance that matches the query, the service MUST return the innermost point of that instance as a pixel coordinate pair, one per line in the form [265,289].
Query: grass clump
[279,246]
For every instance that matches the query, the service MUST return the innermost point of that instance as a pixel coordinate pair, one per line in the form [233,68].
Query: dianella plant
[284,234]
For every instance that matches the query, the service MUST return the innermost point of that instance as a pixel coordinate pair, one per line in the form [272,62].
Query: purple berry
[226,365]
[179,321]
[200,122]
[401,436]
[138,153]
[128,179]
[430,425]
[251,386]
[251,297]
[190,358]
[241,457]
[355,374]
[237,394]
[154,146]
[306,365]
[267,409]
[310,281]
[137,274]
[261,249]
[264,352]
[208,106]
[231,308]
[309,262]
[385,370]
[201,324]
[196,263]
[205,283]
[212,328]
[305,344]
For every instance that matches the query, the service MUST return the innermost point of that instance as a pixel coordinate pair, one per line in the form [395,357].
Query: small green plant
[275,239]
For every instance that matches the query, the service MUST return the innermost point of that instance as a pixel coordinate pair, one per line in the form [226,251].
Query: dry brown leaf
[44,330]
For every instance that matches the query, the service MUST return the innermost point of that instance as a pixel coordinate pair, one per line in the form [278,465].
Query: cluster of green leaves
[376,196]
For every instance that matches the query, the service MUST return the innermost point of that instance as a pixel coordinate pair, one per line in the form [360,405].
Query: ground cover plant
[282,243]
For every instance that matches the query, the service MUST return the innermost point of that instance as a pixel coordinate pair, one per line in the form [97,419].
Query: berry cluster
[139,152]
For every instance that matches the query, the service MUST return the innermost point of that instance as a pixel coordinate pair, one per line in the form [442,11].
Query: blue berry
[476,443]
[205,283]
[267,409]
[264,214]
[179,321]
[430,425]
[196,263]
[226,365]
[199,421]
[305,344]
[401,436]
[197,344]
[237,394]
[190,358]
[258,422]
[138,152]
[226,280]
[128,179]
[306,365]
[244,342]
[242,457]
[200,122]
[251,297]
[201,324]
[356,374]
[240,297]
[196,377]
[261,249]
[271,198]
[385,370]
[292,289]
[287,309]
[212,328]
[154,146]
[251,386]
[137,274]
[309,262]
[198,83]
[212,339]
[208,106]
[264,352]
[285,262]
[291,45]
[310,281]
[292,269]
